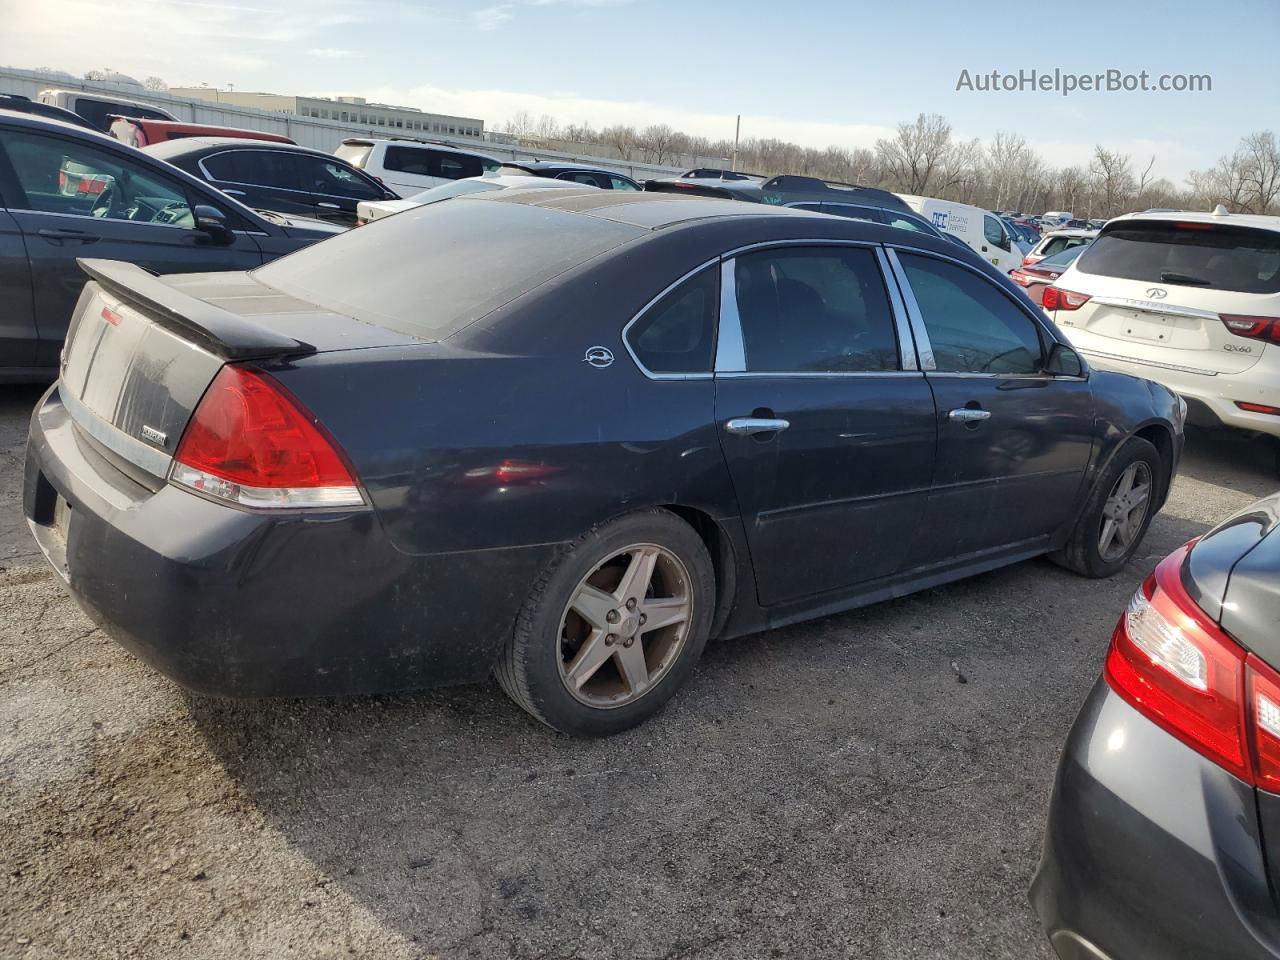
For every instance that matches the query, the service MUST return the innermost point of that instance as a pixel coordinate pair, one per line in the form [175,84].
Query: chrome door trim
[807,242]
[923,347]
[731,354]
[750,426]
[968,415]
[626,343]
[901,319]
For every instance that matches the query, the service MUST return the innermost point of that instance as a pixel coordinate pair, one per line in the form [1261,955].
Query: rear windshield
[354,153]
[1058,244]
[430,271]
[1188,254]
[1062,257]
[454,189]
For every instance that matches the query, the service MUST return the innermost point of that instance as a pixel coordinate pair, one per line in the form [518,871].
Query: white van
[408,167]
[100,109]
[982,231]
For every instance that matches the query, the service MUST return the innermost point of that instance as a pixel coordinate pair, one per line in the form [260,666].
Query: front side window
[621,183]
[993,232]
[263,168]
[973,326]
[328,177]
[814,310]
[65,176]
[677,333]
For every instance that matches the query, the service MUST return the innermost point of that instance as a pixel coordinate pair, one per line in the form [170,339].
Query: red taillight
[1258,407]
[1019,277]
[250,442]
[1252,328]
[1031,260]
[1177,667]
[1055,298]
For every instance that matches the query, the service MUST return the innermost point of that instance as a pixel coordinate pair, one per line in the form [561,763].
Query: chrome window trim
[906,360]
[817,374]
[901,319]
[923,346]
[731,354]
[92,219]
[626,343]
[1038,322]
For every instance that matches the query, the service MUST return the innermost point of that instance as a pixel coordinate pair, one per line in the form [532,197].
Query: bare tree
[1112,179]
[1260,170]
[656,140]
[621,138]
[155,83]
[914,154]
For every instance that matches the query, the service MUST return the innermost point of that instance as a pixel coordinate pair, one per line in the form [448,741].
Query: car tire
[1084,552]
[583,657]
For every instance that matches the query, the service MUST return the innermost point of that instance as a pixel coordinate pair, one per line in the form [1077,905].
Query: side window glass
[677,333]
[846,211]
[325,176]
[454,166]
[905,223]
[620,184]
[413,160]
[65,176]
[994,233]
[815,310]
[972,325]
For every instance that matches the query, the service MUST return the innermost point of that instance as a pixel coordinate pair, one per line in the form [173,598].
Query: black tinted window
[97,112]
[264,168]
[676,334]
[332,178]
[424,162]
[483,254]
[1194,255]
[1058,244]
[814,309]
[973,326]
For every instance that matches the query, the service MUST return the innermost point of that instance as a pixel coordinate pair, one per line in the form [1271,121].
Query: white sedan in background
[369,210]
[1190,300]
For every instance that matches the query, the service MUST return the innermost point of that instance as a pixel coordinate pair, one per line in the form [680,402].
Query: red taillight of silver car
[250,442]
[1172,662]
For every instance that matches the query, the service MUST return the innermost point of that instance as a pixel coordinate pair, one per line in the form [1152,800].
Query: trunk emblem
[1155,293]
[158,437]
[599,357]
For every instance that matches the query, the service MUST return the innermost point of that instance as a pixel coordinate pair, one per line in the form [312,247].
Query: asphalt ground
[832,789]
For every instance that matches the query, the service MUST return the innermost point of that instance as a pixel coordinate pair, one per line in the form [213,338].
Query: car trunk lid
[141,350]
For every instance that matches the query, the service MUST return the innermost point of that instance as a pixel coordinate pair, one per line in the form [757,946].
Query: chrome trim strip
[808,242]
[1149,363]
[923,347]
[626,344]
[731,354]
[901,320]
[1150,306]
[150,459]
[818,374]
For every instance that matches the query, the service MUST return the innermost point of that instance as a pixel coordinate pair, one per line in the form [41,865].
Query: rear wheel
[613,630]
[1118,512]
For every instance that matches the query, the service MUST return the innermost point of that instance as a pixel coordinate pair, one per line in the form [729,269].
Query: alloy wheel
[1124,511]
[625,625]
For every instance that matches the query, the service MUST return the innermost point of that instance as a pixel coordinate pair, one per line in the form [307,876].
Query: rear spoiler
[219,331]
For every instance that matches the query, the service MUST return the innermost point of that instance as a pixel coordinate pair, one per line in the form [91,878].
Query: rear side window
[676,334]
[1188,254]
[814,310]
[482,255]
[264,168]
[356,154]
[973,326]
[432,163]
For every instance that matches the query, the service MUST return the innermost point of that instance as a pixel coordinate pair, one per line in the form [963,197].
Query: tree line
[925,157]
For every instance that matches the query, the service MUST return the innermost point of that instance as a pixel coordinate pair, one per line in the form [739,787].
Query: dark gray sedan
[1164,830]
[566,436]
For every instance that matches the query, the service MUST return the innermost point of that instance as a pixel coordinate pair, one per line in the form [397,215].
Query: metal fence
[319,134]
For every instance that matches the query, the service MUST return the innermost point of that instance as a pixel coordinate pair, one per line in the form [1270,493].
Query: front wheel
[613,630]
[1118,512]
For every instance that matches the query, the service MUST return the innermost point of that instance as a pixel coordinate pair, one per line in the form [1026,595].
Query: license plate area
[61,520]
[1148,326]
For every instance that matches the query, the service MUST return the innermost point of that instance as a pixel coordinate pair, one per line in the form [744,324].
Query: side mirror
[213,221]
[1064,362]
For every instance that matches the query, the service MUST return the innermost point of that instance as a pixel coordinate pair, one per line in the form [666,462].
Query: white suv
[1191,300]
[411,166]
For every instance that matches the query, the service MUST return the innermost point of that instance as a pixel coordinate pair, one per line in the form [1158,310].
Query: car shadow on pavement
[869,784]
[1230,458]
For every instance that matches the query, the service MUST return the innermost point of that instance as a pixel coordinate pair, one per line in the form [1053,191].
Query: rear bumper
[237,603]
[1217,394]
[1151,852]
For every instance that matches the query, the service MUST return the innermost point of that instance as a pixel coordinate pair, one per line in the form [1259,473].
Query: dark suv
[282,177]
[67,192]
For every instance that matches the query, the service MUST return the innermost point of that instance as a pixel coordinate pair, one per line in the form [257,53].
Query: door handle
[750,426]
[968,415]
[76,235]
[329,206]
[234,193]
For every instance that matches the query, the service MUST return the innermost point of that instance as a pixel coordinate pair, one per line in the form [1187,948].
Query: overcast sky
[818,73]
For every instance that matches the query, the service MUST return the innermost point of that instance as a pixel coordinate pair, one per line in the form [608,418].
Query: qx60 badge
[599,357]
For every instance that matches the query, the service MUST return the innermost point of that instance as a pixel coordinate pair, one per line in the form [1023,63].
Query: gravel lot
[827,790]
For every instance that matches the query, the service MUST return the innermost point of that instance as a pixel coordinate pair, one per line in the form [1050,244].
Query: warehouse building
[378,117]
